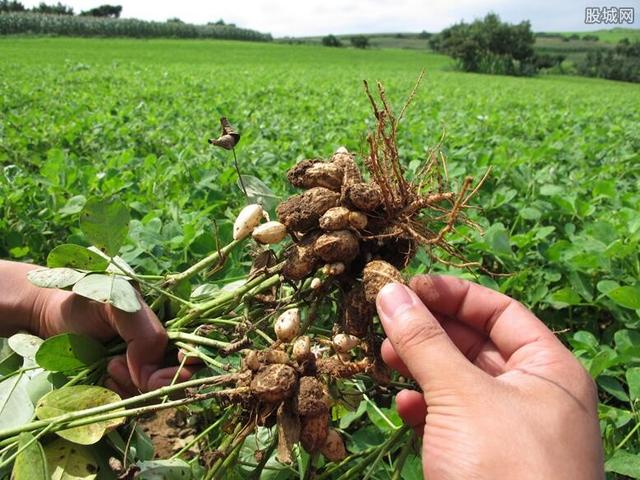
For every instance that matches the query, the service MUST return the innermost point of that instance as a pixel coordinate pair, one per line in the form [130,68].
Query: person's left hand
[59,311]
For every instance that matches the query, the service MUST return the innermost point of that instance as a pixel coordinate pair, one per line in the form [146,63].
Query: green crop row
[46,24]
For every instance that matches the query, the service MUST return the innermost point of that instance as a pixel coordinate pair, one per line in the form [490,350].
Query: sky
[321,17]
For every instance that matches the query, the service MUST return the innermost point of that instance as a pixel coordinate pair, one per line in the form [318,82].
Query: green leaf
[54,277]
[74,205]
[530,213]
[366,437]
[118,265]
[605,188]
[175,469]
[613,387]
[497,237]
[105,223]
[31,463]
[581,285]
[550,190]
[259,192]
[74,398]
[143,444]
[109,289]
[69,351]
[10,361]
[628,297]
[563,298]
[349,417]
[25,345]
[624,463]
[412,469]
[15,406]
[633,381]
[38,386]
[67,461]
[604,359]
[606,286]
[585,340]
[377,416]
[75,256]
[628,342]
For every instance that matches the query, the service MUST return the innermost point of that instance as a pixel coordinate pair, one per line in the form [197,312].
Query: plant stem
[222,448]
[35,438]
[235,163]
[629,435]
[386,448]
[337,466]
[235,444]
[95,412]
[206,262]
[402,457]
[212,363]
[197,339]
[202,434]
[207,308]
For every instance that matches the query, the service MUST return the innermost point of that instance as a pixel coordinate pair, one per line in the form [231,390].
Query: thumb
[419,339]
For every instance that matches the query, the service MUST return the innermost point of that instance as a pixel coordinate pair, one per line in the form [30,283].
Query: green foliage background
[560,211]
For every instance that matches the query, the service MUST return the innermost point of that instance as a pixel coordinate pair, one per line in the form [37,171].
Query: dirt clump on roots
[274,383]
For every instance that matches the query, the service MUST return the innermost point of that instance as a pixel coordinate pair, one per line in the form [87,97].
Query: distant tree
[489,46]
[621,63]
[58,9]
[424,35]
[590,38]
[574,36]
[174,20]
[6,6]
[399,35]
[109,11]
[331,41]
[360,41]
[546,60]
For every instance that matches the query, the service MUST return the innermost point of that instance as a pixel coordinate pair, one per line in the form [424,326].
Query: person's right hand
[501,397]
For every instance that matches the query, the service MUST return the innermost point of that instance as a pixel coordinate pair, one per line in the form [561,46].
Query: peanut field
[559,212]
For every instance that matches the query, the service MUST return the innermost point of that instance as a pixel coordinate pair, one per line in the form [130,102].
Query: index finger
[505,321]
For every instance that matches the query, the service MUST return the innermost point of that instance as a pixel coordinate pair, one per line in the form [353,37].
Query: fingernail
[393,298]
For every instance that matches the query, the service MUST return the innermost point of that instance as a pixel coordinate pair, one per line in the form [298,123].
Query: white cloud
[320,17]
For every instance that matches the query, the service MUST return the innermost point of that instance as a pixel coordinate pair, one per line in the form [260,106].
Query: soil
[169,432]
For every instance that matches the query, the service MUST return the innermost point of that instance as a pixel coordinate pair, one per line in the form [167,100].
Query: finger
[419,340]
[479,350]
[167,376]
[392,359]
[507,322]
[188,358]
[112,385]
[118,370]
[411,407]
[146,341]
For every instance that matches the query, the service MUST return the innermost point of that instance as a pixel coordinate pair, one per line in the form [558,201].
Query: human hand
[48,312]
[501,397]
[140,369]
